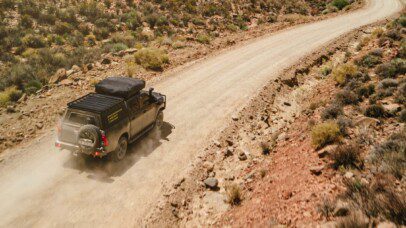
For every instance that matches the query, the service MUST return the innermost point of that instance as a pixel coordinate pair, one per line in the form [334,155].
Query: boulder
[386,225]
[242,156]
[316,170]
[229,151]
[11,109]
[348,175]
[58,76]
[23,98]
[66,82]
[211,183]
[324,152]
[393,108]
[366,121]
[106,61]
[341,209]
[76,68]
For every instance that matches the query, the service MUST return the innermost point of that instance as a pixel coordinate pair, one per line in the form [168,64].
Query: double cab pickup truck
[106,121]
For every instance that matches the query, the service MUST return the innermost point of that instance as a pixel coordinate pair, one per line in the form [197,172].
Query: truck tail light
[104,139]
[59,128]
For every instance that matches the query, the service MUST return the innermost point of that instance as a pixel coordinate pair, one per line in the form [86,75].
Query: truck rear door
[71,123]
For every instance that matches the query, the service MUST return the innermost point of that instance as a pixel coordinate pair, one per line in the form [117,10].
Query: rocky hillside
[324,146]
[37,38]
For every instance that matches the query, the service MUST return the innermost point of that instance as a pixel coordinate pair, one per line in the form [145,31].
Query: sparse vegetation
[90,26]
[233,192]
[325,133]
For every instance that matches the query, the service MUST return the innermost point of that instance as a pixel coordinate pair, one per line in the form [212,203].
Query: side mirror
[150,91]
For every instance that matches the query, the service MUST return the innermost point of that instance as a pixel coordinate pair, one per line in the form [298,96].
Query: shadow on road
[102,169]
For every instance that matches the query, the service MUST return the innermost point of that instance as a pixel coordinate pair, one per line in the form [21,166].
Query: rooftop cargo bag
[120,86]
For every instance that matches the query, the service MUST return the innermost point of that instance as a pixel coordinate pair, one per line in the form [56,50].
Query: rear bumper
[75,149]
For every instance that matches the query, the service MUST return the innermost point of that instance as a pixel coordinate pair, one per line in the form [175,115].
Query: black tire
[89,138]
[159,120]
[121,150]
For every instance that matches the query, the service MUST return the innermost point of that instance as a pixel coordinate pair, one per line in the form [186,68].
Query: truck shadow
[103,169]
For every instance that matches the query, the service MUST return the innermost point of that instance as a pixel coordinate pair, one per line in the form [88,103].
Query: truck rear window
[81,119]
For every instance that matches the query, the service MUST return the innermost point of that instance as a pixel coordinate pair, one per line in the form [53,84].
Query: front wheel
[121,150]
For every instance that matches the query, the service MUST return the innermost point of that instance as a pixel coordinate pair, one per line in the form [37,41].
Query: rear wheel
[159,121]
[121,150]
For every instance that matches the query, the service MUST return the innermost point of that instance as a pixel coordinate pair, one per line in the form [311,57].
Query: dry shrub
[325,133]
[326,208]
[378,32]
[11,94]
[347,97]
[233,192]
[332,111]
[390,156]
[378,199]
[375,111]
[343,73]
[346,156]
[151,58]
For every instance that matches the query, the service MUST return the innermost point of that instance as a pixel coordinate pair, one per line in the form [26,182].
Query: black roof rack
[94,102]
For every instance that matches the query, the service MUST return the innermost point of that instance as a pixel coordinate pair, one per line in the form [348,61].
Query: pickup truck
[105,122]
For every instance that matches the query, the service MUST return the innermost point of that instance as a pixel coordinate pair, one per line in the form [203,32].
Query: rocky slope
[270,167]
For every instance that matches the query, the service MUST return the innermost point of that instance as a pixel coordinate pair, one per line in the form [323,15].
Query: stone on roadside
[242,156]
[341,209]
[58,76]
[211,182]
[316,170]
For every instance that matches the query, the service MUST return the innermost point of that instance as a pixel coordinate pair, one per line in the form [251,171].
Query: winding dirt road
[42,187]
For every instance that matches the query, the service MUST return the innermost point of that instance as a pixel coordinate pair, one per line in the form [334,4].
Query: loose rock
[211,182]
[316,170]
[58,76]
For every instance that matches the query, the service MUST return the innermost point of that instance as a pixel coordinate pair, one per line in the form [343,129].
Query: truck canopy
[120,87]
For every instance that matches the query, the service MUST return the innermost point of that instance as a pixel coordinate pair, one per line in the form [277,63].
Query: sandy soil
[43,187]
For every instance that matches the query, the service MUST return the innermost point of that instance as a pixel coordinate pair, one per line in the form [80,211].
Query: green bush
[151,58]
[116,47]
[203,39]
[32,86]
[62,28]
[369,61]
[34,41]
[340,4]
[26,21]
[325,133]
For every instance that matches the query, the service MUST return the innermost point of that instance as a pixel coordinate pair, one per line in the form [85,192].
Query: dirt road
[42,187]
